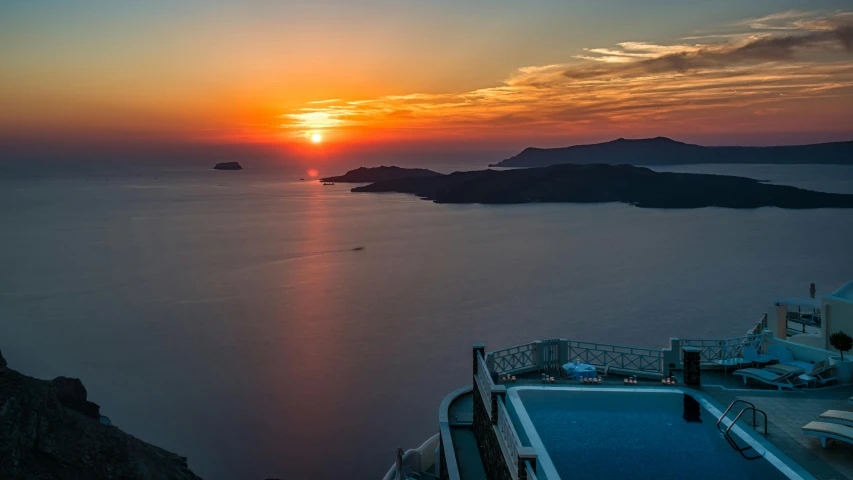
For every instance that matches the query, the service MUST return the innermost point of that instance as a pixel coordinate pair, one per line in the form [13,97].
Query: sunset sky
[88,78]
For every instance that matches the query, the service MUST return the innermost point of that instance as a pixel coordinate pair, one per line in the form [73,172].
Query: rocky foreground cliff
[50,430]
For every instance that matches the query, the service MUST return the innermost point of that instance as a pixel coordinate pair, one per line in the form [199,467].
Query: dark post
[481,348]
[691,365]
[526,454]
[498,392]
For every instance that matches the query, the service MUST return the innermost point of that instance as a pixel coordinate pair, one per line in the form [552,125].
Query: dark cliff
[49,429]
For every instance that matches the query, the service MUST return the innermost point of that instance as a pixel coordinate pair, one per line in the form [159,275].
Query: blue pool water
[620,434]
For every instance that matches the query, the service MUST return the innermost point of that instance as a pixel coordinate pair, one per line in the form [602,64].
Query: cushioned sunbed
[783,380]
[787,368]
[837,416]
[826,430]
[819,370]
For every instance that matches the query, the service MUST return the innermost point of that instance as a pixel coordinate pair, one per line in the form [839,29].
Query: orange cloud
[632,85]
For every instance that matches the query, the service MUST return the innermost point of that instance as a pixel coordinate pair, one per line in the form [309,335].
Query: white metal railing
[515,359]
[509,437]
[723,348]
[484,382]
[531,474]
[616,356]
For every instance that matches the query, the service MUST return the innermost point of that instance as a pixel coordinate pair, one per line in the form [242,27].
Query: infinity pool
[639,434]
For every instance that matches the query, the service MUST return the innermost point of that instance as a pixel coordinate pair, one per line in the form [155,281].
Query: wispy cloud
[755,50]
[777,21]
[798,20]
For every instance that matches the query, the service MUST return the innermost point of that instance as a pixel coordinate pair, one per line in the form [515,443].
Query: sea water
[226,317]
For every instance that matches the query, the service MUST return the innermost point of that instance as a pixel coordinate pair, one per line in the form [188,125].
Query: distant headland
[228,166]
[600,183]
[665,151]
[379,174]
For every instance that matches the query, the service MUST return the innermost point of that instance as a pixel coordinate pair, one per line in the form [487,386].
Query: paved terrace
[787,412]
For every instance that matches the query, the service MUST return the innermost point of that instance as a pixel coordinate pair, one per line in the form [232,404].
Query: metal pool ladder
[751,407]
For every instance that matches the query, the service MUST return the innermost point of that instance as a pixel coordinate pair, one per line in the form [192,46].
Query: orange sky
[469,76]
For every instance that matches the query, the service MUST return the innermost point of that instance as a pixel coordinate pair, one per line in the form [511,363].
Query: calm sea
[225,316]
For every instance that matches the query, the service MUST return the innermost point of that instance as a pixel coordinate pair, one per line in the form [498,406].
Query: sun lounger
[826,431]
[813,369]
[779,380]
[780,368]
[820,371]
[837,416]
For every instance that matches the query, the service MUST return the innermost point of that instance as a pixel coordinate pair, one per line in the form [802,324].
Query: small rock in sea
[228,166]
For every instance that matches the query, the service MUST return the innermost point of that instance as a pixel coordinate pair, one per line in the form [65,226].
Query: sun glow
[316,138]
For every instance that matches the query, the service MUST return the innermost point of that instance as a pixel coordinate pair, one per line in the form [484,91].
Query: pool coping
[770,452]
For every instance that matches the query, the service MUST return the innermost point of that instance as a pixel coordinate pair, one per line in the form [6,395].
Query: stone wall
[487,441]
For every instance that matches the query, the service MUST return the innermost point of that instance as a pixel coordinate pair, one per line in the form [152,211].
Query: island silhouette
[599,183]
[665,151]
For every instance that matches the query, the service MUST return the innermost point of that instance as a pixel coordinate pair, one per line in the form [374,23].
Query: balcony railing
[724,348]
[630,359]
[552,353]
[516,359]
[509,437]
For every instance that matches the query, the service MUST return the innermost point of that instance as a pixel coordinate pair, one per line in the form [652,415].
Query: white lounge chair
[837,416]
[780,368]
[825,431]
[817,369]
[779,380]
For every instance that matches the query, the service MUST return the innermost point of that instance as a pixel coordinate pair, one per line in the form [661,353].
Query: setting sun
[316,138]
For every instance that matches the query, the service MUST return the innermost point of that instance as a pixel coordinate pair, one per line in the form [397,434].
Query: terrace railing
[724,348]
[550,354]
[485,384]
[518,359]
[630,359]
[509,437]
